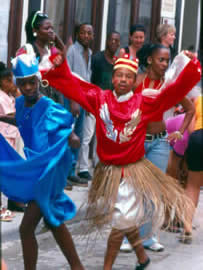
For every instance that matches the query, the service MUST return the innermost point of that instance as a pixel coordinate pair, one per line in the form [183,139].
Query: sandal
[6,215]
[175,227]
[186,238]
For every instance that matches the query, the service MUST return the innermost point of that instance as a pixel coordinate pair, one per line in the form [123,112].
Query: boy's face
[123,81]
[29,87]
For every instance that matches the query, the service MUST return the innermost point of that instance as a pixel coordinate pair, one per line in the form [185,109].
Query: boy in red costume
[127,190]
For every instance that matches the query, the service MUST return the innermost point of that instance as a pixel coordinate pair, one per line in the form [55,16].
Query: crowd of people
[119,102]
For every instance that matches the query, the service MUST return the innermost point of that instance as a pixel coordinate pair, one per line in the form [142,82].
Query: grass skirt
[155,194]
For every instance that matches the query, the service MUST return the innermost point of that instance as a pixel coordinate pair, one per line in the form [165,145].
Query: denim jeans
[78,129]
[157,151]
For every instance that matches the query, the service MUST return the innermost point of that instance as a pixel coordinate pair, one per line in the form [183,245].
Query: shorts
[194,154]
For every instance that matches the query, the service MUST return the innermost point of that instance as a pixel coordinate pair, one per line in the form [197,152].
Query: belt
[151,137]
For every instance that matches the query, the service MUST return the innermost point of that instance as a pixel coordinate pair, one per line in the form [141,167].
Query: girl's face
[159,62]
[45,31]
[137,39]
[7,85]
[29,87]
[123,81]
[169,38]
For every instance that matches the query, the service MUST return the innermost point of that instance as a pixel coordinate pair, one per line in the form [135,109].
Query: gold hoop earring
[44,83]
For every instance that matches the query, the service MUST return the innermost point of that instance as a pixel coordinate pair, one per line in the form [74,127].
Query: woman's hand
[74,140]
[175,136]
[189,54]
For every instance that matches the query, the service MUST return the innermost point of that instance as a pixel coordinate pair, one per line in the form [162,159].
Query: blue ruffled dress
[41,177]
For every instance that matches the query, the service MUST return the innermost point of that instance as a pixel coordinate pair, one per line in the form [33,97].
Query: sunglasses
[38,14]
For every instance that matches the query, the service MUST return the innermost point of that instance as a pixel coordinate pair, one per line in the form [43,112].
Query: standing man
[79,58]
[102,67]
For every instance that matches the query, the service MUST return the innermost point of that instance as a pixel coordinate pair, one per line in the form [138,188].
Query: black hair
[148,50]
[4,71]
[111,33]
[137,27]
[77,29]
[39,18]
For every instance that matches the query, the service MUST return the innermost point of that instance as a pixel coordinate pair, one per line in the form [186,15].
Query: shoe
[69,186]
[85,175]
[142,266]
[126,246]
[157,247]
[176,227]
[6,215]
[16,206]
[76,181]
[186,238]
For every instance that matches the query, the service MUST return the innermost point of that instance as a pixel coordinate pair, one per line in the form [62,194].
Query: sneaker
[76,181]
[69,186]
[156,247]
[142,266]
[85,175]
[126,246]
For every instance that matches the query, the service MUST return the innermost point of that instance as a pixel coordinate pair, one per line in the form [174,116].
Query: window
[55,11]
[119,19]
[83,11]
[145,10]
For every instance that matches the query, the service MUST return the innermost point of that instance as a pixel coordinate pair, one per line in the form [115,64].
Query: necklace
[153,81]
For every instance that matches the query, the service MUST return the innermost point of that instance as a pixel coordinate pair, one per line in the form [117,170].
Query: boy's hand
[74,108]
[58,60]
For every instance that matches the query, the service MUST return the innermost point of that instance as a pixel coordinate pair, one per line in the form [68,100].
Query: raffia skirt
[125,197]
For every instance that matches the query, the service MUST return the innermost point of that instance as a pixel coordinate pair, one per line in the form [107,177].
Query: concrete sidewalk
[176,256]
[9,230]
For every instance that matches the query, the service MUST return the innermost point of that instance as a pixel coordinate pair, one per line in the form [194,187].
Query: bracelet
[180,136]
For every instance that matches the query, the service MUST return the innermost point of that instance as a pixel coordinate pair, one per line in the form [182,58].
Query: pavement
[176,256]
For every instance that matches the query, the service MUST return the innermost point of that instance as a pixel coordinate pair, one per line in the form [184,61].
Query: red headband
[126,62]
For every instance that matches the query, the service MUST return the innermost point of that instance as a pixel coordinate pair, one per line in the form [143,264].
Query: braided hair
[148,50]
[34,21]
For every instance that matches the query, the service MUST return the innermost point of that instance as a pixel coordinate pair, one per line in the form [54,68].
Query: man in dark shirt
[102,68]
[102,62]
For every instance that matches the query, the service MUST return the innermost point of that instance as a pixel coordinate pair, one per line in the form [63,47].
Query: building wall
[4,19]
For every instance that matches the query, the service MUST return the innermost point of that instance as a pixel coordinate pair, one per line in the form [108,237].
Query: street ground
[176,256]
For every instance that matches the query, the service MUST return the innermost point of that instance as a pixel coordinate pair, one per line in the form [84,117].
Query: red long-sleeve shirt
[121,126]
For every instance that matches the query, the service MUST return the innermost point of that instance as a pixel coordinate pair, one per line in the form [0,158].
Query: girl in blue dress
[39,180]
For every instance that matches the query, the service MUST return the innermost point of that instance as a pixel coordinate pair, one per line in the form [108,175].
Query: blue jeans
[157,151]
[78,129]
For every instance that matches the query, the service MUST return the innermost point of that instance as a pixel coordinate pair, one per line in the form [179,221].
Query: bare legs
[173,163]
[29,223]
[194,182]
[113,246]
[114,243]
[65,242]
